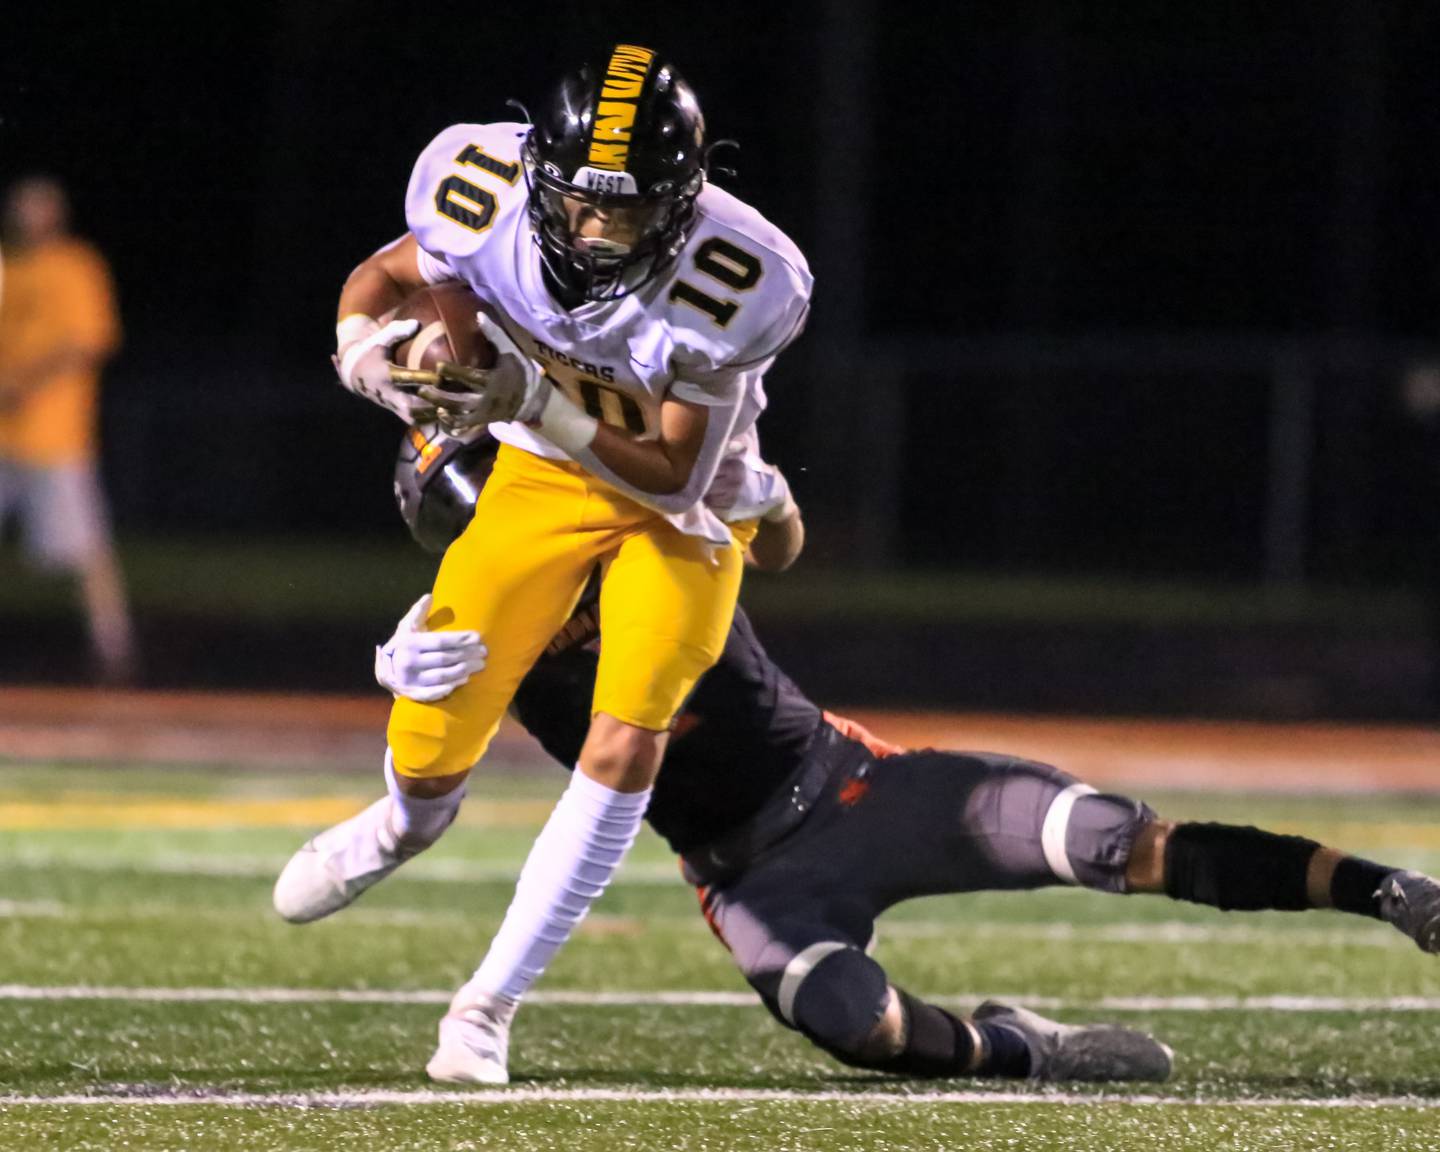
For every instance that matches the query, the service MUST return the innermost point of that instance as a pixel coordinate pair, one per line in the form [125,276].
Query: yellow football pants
[514,576]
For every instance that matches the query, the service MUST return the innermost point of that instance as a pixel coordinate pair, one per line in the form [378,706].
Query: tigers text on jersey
[718,314]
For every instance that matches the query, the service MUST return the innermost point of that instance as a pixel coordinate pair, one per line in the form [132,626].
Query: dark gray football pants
[885,830]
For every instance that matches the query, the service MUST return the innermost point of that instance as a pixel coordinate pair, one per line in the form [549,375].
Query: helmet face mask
[613,167]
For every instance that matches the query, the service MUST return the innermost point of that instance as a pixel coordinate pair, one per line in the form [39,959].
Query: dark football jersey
[740,736]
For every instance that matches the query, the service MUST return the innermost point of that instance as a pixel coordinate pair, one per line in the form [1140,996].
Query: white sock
[570,864]
[395,825]
[416,823]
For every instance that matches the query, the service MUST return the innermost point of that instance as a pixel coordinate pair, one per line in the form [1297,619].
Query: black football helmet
[614,164]
[437,481]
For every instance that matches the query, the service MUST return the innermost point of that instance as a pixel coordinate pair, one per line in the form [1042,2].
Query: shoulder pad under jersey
[467,180]
[739,291]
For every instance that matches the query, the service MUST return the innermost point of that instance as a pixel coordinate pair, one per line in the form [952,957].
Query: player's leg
[806,963]
[1024,825]
[332,869]
[68,529]
[1245,869]
[666,603]
[934,822]
[512,576]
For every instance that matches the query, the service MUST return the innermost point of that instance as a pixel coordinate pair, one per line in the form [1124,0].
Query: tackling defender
[799,829]
[634,309]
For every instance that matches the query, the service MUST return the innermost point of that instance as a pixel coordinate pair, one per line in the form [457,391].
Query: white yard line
[21,909]
[1354,934]
[1347,934]
[686,999]
[246,867]
[519,1095]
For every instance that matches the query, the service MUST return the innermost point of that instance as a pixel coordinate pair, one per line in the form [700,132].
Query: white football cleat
[336,866]
[474,1041]
[1411,902]
[1095,1053]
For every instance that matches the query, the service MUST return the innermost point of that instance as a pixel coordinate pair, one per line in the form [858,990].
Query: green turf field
[142,967]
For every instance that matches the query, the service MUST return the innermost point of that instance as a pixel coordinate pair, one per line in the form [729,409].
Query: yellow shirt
[54,296]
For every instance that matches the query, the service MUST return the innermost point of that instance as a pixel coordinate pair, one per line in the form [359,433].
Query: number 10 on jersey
[724,263]
[606,404]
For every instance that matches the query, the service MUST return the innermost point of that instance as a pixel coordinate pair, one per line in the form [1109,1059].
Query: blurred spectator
[58,326]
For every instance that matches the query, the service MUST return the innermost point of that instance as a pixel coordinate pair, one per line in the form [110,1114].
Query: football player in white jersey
[635,309]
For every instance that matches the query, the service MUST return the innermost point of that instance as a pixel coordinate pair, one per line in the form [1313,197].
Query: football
[449,332]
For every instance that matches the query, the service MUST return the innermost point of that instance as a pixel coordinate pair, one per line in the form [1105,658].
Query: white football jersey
[735,296]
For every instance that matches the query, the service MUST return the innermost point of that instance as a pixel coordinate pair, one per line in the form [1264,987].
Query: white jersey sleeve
[433,270]
[736,296]
[465,183]
[739,294]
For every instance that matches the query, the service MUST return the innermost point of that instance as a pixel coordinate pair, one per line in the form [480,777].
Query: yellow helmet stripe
[615,110]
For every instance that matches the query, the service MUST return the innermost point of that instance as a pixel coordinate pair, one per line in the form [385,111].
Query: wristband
[565,425]
[355,326]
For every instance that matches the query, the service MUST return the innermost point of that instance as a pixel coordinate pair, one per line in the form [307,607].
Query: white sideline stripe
[1057,824]
[378,1097]
[1350,935]
[686,999]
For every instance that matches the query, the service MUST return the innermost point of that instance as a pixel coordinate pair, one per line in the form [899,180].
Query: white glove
[363,362]
[515,388]
[427,666]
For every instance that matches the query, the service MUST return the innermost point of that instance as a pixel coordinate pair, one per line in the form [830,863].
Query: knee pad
[1087,837]
[834,994]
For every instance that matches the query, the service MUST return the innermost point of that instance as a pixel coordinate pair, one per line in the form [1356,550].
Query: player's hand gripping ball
[447,332]
[362,361]
[388,360]
[468,398]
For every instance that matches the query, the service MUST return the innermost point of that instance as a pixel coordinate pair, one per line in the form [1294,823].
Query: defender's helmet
[613,165]
[437,481]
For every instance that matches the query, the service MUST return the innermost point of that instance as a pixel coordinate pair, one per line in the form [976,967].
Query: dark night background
[1119,289]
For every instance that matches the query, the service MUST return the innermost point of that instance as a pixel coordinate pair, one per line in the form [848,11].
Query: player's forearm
[382,280]
[650,466]
[778,543]
[669,473]
[369,291]
[664,486]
